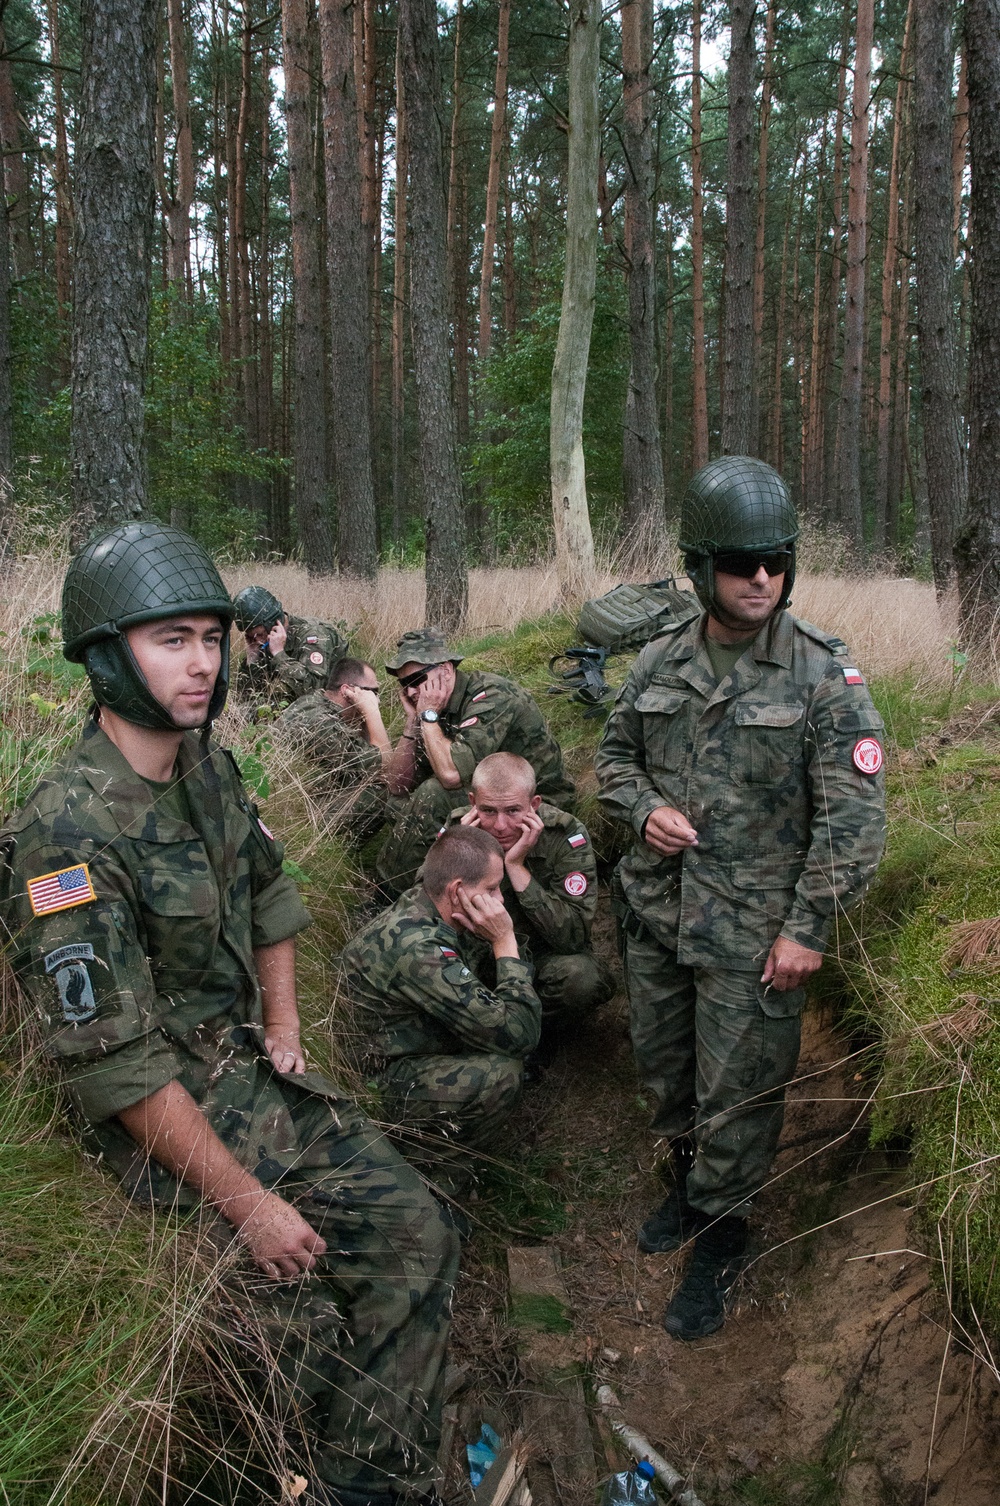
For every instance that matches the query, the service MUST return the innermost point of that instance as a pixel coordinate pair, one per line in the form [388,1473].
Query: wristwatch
[429,715]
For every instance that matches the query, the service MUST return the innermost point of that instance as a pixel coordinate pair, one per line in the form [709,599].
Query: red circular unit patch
[315,658]
[575,884]
[868,755]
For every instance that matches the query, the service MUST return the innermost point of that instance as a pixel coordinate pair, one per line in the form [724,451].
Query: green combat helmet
[735,503]
[138,572]
[256,607]
[422,646]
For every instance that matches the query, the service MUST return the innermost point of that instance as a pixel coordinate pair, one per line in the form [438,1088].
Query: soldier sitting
[341,731]
[287,657]
[549,885]
[446,1051]
[453,720]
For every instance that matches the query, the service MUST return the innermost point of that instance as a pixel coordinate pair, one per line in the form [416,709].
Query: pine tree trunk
[446,562]
[828,469]
[941,401]
[959,147]
[347,268]
[114,232]
[849,509]
[738,368]
[571,517]
[64,196]
[498,135]
[14,173]
[890,267]
[179,207]
[309,391]
[767,87]
[399,310]
[699,377]
[642,457]
[6,410]
[978,547]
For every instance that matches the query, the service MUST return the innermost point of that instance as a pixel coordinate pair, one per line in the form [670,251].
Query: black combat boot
[674,1221]
[699,1306]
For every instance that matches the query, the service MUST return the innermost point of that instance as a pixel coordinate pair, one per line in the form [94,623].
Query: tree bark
[849,510]
[14,174]
[347,267]
[114,231]
[699,377]
[571,518]
[978,548]
[6,411]
[767,87]
[178,207]
[309,394]
[399,309]
[738,369]
[498,136]
[446,563]
[642,457]
[941,405]
[64,196]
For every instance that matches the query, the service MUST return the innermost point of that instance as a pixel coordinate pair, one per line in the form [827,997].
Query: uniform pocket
[664,728]
[768,742]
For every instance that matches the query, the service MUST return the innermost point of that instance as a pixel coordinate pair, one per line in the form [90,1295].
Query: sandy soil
[836,1379]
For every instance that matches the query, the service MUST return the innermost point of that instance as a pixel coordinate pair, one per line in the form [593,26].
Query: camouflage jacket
[556,911]
[318,726]
[140,963]
[414,993]
[310,652]
[778,769]
[488,714]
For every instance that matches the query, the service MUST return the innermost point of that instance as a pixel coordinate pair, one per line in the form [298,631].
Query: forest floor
[837,1379]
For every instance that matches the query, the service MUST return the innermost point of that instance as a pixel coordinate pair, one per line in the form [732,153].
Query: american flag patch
[61,890]
[447,951]
[577,839]
[851,675]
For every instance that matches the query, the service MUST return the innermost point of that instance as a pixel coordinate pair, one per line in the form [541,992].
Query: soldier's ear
[536,801]
[472,797]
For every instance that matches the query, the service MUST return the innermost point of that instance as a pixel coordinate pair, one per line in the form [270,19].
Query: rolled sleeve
[278,912]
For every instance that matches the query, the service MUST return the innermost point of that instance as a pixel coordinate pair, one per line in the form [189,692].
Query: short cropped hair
[461,852]
[347,672]
[503,771]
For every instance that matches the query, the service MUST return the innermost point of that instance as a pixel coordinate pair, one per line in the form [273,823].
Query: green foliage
[196,449]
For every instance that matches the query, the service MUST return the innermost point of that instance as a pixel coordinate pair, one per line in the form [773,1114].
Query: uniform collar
[127,797]
[458,695]
[687,654]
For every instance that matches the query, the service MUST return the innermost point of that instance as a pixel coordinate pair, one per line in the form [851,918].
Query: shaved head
[502,772]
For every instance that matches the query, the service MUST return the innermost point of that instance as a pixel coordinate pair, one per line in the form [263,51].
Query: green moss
[544,1314]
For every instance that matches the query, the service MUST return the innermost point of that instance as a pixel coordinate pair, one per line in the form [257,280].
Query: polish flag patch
[266,830]
[575,884]
[470,721]
[868,756]
[577,839]
[449,952]
[852,676]
[480,697]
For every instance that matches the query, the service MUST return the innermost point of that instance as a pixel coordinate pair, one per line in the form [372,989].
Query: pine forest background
[224,455]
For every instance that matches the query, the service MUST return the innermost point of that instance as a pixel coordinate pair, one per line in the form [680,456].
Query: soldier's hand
[282,1045]
[668,832]
[280,1240]
[435,693]
[789,965]
[277,637]
[531,829]
[485,916]
[471,818]
[255,639]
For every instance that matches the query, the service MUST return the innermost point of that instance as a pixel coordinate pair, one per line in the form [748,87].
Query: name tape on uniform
[61,890]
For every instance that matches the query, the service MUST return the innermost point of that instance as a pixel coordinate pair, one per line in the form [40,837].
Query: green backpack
[624,620]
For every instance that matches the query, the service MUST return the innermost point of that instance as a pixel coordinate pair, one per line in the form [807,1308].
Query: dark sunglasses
[745,564]
[410,682]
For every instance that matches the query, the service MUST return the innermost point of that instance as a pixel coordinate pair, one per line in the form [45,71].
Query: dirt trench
[836,1381]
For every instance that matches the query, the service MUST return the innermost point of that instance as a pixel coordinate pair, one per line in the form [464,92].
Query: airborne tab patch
[61,890]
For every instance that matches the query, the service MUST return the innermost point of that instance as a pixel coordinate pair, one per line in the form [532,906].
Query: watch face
[428,716]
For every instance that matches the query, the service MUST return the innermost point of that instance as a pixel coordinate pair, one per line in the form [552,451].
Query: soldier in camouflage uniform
[446,1051]
[745,753]
[341,732]
[287,656]
[453,720]
[152,928]
[549,887]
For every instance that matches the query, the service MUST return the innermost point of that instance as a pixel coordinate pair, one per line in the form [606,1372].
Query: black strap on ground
[580,672]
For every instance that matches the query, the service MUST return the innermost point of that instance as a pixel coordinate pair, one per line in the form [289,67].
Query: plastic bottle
[632,1487]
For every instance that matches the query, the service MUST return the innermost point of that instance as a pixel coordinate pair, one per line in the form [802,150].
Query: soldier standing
[287,656]
[549,887]
[153,930]
[745,753]
[453,720]
[445,1049]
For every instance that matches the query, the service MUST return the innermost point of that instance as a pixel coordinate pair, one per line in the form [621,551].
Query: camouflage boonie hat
[422,646]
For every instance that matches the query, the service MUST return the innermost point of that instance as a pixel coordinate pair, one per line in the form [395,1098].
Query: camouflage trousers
[414,821]
[716,1050]
[443,1107]
[355,1352]
[570,987]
